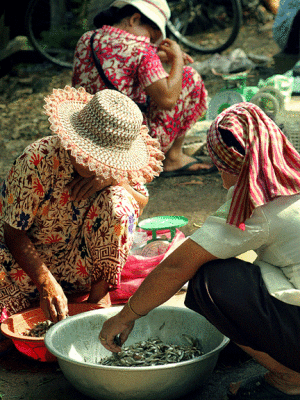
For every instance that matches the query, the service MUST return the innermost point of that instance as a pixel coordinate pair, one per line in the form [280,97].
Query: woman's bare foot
[278,376]
[176,159]
[288,382]
[99,294]
[183,160]
[105,302]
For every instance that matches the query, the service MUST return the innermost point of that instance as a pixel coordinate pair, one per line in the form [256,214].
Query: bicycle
[205,26]
[54,26]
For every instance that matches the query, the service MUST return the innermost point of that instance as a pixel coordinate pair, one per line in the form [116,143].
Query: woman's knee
[125,209]
[115,201]
[191,78]
[223,280]
[115,214]
[118,196]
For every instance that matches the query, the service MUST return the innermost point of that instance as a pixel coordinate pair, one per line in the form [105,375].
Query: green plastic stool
[166,222]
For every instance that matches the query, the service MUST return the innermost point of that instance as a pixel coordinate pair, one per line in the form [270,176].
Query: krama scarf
[270,166]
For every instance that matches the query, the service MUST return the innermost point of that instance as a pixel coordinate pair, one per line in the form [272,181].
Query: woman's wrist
[128,314]
[132,310]
[43,279]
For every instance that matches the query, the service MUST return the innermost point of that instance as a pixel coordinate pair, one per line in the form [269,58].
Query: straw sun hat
[104,132]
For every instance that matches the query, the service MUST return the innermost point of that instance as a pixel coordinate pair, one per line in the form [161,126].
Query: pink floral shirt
[130,62]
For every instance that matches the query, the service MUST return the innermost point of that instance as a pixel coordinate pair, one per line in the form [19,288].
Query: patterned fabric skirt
[98,251]
[167,125]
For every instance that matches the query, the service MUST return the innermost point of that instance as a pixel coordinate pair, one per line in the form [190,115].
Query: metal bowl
[75,343]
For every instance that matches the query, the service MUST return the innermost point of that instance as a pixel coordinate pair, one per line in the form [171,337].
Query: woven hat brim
[74,133]
[140,163]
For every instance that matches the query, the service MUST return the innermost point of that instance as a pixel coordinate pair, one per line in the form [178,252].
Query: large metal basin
[74,341]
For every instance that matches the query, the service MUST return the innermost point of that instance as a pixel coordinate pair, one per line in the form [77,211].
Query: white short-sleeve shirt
[273,232]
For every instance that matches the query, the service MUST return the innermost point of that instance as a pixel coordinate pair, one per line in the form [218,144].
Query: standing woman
[256,305]
[129,47]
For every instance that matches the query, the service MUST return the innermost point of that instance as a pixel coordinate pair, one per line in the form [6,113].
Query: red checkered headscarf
[267,165]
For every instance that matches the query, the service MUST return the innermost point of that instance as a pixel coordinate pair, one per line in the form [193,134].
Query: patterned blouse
[130,62]
[88,238]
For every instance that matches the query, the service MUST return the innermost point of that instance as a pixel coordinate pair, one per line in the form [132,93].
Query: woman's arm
[82,188]
[52,298]
[165,92]
[159,286]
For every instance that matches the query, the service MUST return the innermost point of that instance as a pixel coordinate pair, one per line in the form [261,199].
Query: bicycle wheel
[54,27]
[204,25]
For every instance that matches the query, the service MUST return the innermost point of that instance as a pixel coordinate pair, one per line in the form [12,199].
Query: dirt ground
[22,90]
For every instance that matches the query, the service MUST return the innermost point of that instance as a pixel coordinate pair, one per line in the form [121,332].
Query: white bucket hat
[157,11]
[105,133]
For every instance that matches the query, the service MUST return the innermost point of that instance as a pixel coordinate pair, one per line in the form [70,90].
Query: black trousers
[232,296]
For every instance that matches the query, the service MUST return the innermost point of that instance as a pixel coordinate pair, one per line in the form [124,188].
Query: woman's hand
[113,327]
[53,301]
[187,59]
[82,188]
[169,50]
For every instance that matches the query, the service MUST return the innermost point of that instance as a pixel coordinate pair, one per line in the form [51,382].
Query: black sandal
[185,171]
